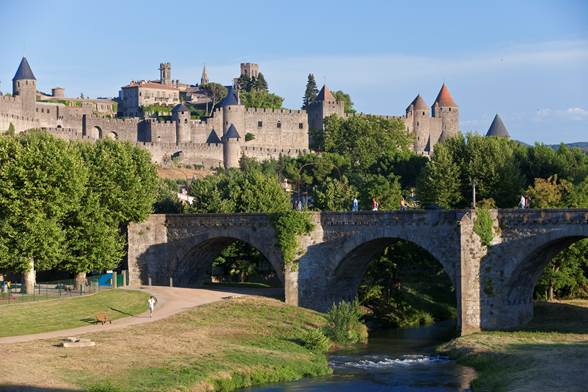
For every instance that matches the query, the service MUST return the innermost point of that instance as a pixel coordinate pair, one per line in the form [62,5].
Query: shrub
[289,225]
[483,226]
[315,340]
[249,136]
[344,323]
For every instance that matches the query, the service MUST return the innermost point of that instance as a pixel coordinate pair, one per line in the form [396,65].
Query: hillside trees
[63,205]
[310,93]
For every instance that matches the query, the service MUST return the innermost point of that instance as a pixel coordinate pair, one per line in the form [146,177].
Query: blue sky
[527,60]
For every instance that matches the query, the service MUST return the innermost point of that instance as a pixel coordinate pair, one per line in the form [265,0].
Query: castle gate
[494,285]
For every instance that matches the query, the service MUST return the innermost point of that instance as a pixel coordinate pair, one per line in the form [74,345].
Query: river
[393,360]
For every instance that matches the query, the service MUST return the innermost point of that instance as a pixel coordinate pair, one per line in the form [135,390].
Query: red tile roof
[444,97]
[150,84]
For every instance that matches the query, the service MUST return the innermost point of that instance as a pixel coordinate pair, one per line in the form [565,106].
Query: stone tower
[181,115]
[165,73]
[447,110]
[250,69]
[204,77]
[233,111]
[231,147]
[497,128]
[24,85]
[324,105]
[418,123]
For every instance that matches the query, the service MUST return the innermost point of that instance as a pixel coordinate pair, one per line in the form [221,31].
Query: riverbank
[549,354]
[224,345]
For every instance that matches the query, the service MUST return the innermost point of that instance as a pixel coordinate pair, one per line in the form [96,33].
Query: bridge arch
[540,250]
[192,264]
[351,260]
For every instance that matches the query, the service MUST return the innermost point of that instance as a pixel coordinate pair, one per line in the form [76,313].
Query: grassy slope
[550,354]
[225,345]
[29,318]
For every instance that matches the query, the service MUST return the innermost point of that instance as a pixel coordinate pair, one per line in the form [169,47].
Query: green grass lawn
[549,354]
[29,318]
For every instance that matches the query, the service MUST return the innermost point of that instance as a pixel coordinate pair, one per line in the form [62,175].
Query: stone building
[428,126]
[220,140]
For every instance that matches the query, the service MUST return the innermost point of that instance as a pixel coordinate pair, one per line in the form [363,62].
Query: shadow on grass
[558,317]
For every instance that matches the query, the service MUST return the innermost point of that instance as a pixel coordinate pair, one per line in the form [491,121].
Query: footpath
[170,300]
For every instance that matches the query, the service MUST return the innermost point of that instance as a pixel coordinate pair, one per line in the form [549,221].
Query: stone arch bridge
[494,285]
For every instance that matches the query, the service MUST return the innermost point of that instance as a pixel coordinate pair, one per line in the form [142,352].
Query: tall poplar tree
[310,93]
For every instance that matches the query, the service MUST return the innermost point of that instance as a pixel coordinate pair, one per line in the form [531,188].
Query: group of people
[525,201]
[404,204]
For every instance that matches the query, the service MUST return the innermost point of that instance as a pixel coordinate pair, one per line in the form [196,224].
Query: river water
[393,360]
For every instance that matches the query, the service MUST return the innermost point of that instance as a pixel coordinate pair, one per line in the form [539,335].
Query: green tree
[42,180]
[550,192]
[216,92]
[261,83]
[167,201]
[364,138]
[439,183]
[385,189]
[126,178]
[333,195]
[11,130]
[261,99]
[310,93]
[346,99]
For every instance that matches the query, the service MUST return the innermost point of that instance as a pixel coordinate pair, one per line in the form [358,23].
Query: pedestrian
[374,204]
[527,201]
[151,303]
[403,204]
[299,205]
[522,202]
[355,205]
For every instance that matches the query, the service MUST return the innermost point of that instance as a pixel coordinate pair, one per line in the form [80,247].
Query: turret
[447,110]
[417,123]
[24,85]
[181,115]
[165,73]
[497,128]
[233,111]
[231,147]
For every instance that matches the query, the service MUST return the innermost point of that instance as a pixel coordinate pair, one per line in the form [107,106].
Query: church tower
[204,77]
[24,85]
[165,73]
[447,110]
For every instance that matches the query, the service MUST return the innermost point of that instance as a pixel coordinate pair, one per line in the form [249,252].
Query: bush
[315,340]
[344,323]
[289,225]
[483,226]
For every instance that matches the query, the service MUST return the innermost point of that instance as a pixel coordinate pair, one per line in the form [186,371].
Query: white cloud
[573,113]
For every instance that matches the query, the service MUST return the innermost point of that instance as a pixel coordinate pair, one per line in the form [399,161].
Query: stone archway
[96,133]
[193,268]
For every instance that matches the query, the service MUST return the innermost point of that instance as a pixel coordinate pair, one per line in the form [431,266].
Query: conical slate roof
[213,138]
[180,108]
[444,98]
[24,71]
[497,128]
[232,97]
[418,103]
[232,133]
[325,94]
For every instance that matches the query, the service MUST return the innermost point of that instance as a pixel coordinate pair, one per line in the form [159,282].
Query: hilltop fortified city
[218,140]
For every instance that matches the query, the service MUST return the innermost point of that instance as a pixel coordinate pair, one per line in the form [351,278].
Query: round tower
[417,123]
[233,111]
[181,115]
[24,85]
[447,110]
[231,147]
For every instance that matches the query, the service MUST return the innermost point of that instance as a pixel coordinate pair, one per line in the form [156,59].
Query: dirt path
[170,300]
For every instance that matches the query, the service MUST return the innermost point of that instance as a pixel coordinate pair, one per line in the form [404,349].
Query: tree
[346,99]
[126,178]
[261,83]
[364,138]
[261,99]
[386,190]
[167,201]
[310,93]
[333,195]
[216,92]
[11,130]
[42,180]
[550,192]
[439,183]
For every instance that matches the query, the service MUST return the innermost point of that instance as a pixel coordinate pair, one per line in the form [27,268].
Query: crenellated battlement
[280,111]
[8,99]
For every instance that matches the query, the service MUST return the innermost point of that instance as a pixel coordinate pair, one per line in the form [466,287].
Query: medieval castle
[231,131]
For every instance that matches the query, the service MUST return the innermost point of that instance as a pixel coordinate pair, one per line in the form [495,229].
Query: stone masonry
[494,286]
